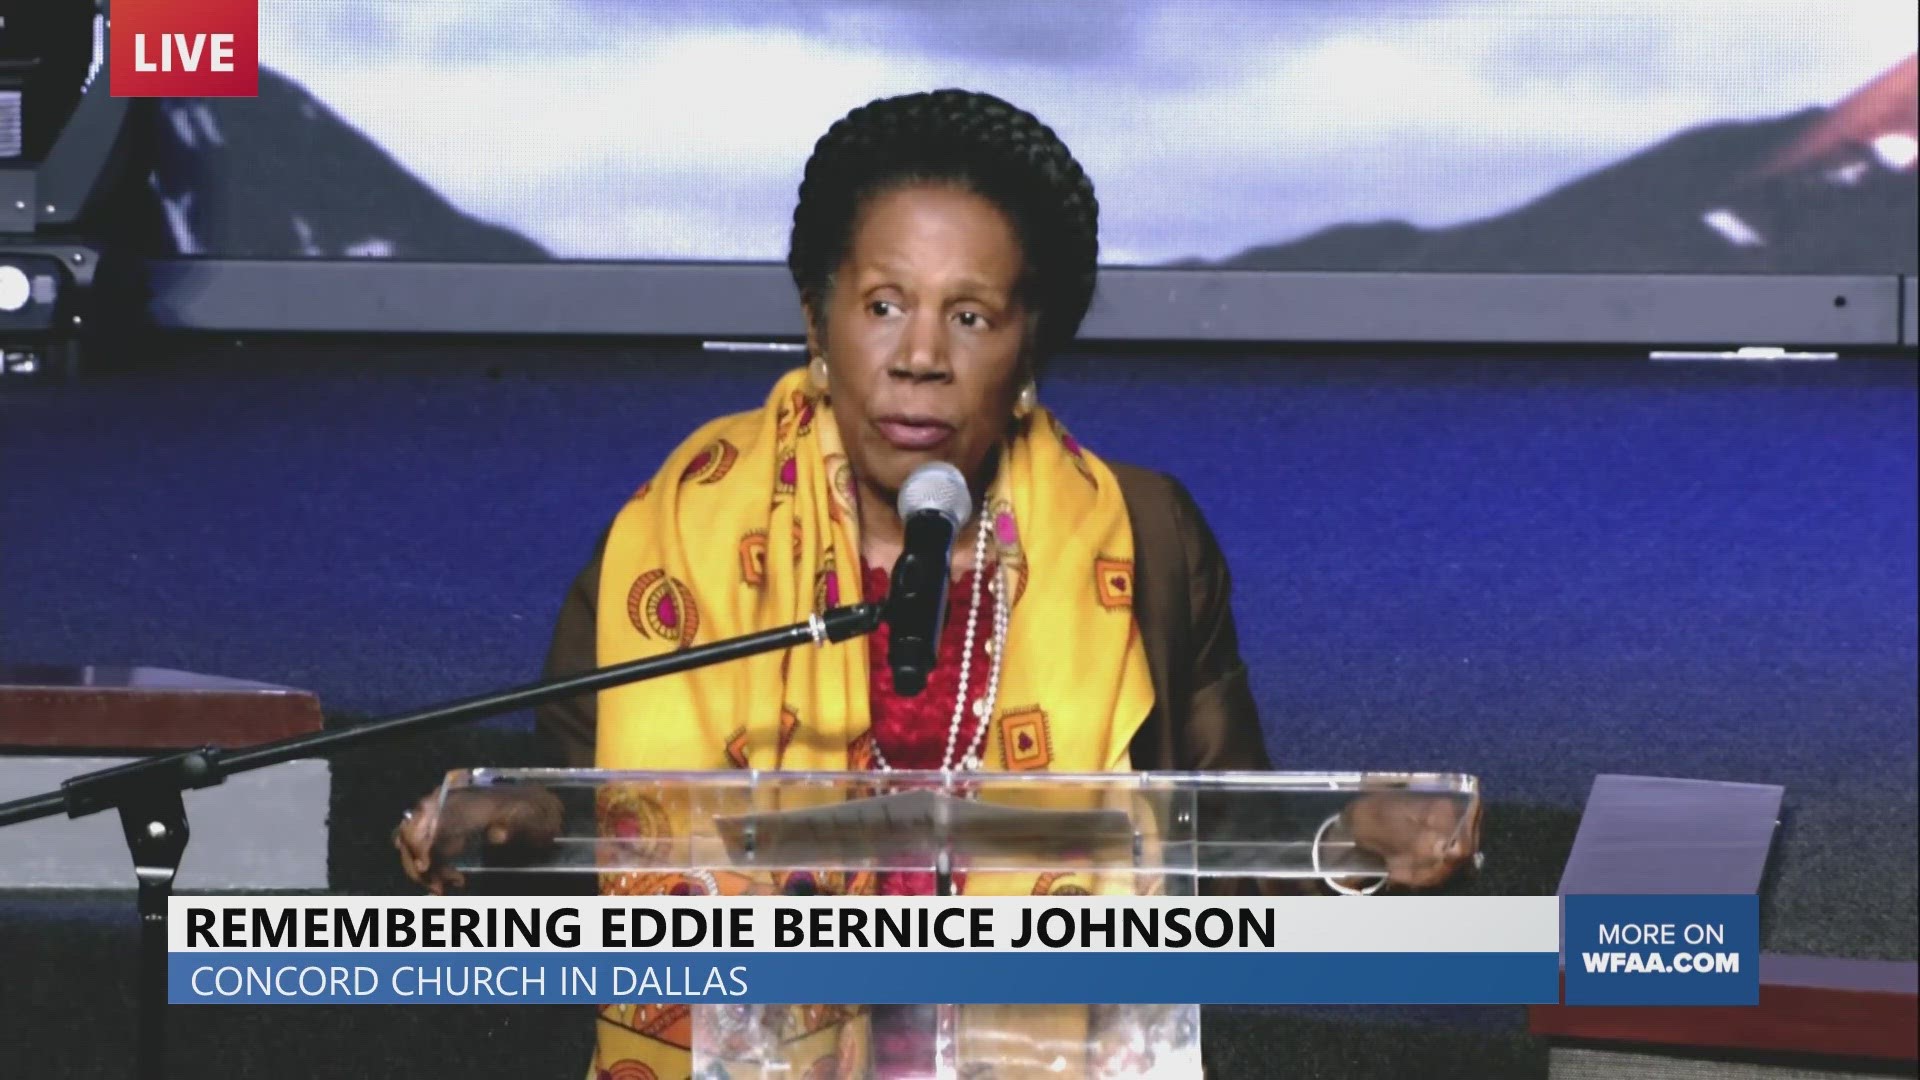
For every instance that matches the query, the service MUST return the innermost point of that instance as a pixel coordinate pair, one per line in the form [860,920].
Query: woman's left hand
[1421,838]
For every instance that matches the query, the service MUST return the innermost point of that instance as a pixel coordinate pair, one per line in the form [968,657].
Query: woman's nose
[923,353]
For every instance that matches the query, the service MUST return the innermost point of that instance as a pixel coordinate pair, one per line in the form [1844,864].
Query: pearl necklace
[996,648]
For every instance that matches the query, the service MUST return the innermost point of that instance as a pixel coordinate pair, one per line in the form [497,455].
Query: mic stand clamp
[155,824]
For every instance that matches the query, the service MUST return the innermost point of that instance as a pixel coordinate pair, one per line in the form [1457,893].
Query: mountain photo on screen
[1727,136]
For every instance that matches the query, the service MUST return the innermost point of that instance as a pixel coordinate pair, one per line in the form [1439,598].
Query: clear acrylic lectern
[980,834]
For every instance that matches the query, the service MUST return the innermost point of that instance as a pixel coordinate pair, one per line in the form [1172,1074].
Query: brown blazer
[1203,717]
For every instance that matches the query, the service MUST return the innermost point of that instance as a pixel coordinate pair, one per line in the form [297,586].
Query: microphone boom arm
[147,793]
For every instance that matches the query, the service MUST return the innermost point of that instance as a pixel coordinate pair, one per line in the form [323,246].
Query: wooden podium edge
[133,719]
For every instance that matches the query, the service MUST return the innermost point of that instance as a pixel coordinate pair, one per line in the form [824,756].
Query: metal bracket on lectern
[943,872]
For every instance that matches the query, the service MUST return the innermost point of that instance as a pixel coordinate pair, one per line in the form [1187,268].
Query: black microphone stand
[147,793]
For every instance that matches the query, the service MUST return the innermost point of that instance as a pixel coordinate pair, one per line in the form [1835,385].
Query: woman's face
[924,335]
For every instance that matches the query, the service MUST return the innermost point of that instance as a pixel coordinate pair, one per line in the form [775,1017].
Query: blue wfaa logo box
[1662,950]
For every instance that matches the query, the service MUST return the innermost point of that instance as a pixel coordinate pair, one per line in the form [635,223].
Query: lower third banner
[777,950]
[1086,978]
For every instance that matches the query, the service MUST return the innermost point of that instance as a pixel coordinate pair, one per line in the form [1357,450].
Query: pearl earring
[1028,400]
[817,372]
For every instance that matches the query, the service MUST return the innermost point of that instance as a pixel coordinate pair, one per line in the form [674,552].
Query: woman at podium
[944,246]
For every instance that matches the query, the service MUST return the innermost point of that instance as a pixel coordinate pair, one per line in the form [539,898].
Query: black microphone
[934,505]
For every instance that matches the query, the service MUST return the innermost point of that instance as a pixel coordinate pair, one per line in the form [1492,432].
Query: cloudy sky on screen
[678,128]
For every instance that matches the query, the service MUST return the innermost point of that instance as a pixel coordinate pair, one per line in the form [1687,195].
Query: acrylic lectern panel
[1185,828]
[743,832]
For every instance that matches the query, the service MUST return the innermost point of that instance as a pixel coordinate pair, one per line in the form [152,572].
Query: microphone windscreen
[939,487]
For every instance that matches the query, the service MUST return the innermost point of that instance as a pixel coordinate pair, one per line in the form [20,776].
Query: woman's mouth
[913,432]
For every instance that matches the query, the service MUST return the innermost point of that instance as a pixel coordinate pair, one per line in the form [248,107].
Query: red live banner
[185,48]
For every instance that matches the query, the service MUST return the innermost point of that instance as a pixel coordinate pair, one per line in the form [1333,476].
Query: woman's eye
[880,309]
[972,320]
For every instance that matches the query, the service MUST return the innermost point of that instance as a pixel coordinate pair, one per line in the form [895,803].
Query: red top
[912,731]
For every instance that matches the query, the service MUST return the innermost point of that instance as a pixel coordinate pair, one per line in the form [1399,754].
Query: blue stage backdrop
[1531,571]
[1473,135]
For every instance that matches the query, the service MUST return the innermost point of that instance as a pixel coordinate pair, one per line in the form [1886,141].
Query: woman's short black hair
[990,147]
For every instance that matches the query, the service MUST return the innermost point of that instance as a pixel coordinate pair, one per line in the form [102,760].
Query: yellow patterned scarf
[751,525]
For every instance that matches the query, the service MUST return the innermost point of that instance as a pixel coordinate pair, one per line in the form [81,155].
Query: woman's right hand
[1423,839]
[432,835]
